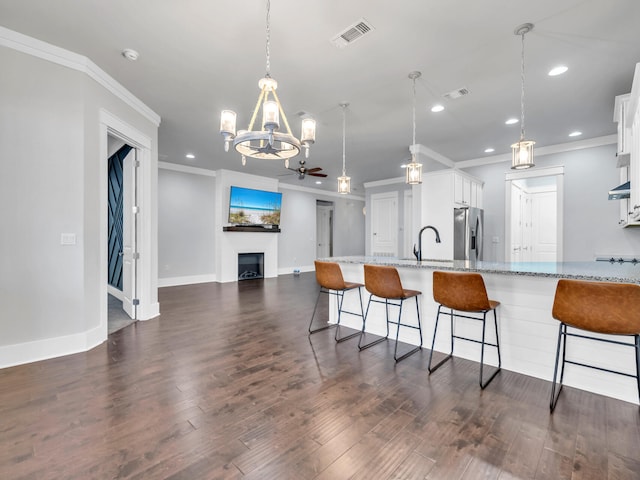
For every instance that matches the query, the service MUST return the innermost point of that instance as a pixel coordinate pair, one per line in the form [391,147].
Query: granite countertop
[598,271]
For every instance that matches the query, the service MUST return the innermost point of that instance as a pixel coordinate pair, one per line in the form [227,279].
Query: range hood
[620,192]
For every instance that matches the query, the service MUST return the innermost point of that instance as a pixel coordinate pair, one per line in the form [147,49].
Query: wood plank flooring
[226,384]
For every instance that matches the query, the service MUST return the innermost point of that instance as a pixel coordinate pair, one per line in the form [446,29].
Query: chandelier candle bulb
[270,115]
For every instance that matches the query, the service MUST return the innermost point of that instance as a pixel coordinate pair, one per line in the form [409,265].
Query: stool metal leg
[433,342]
[637,347]
[495,321]
[562,339]
[362,334]
[315,308]
[419,327]
[340,299]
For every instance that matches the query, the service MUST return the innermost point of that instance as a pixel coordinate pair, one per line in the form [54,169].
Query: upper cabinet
[629,140]
[467,191]
[624,129]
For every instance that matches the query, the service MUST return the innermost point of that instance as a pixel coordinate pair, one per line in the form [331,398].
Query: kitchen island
[528,333]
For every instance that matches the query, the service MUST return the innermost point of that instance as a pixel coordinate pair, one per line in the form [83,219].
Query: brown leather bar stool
[329,277]
[597,307]
[384,282]
[464,292]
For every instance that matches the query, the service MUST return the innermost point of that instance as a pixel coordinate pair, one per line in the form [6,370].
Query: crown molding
[388,181]
[317,191]
[176,167]
[60,56]
[539,152]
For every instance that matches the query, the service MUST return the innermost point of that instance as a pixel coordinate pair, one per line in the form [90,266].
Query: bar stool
[329,277]
[384,282]
[596,307]
[464,292]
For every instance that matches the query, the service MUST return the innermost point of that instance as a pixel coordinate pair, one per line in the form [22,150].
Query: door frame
[558,173]
[323,205]
[146,277]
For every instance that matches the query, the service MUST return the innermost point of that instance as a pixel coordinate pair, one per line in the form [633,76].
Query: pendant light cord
[414,118]
[344,136]
[522,91]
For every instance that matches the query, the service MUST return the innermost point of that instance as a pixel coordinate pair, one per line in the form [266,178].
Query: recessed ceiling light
[511,121]
[559,70]
[437,108]
[404,165]
[190,155]
[130,54]
[318,182]
[489,150]
[575,134]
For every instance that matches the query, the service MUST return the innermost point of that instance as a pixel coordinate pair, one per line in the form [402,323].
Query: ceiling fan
[302,171]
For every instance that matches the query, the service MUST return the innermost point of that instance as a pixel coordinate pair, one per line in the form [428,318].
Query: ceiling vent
[452,95]
[352,33]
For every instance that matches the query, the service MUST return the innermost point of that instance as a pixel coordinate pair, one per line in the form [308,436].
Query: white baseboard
[28,352]
[191,279]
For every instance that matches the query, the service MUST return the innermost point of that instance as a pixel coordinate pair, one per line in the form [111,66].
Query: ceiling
[199,57]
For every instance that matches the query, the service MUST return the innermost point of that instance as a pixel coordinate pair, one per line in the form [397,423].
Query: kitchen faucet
[418,252]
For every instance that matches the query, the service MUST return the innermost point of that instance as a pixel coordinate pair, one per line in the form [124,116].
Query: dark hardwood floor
[227,384]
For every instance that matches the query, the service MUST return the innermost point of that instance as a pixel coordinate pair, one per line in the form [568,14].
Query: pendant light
[414,169]
[344,182]
[522,151]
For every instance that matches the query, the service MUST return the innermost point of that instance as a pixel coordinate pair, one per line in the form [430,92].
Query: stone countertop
[596,271]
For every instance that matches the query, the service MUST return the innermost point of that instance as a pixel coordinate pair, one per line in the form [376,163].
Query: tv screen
[254,207]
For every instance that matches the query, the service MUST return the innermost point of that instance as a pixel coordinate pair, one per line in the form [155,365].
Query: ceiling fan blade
[317,174]
[313,170]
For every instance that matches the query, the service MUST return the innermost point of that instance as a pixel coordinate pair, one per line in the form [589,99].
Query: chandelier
[267,143]
[344,182]
[522,151]
[414,169]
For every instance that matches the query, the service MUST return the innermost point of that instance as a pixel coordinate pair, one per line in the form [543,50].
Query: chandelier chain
[522,90]
[268,46]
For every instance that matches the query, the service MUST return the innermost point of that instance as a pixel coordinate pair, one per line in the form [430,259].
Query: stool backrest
[329,275]
[383,281]
[460,291]
[602,307]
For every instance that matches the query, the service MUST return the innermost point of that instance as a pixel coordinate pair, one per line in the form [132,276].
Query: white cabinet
[624,129]
[631,141]
[467,191]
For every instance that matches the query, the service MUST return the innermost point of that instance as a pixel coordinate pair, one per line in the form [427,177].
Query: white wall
[590,219]
[53,297]
[186,230]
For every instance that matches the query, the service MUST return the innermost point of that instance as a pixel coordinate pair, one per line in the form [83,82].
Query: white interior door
[323,231]
[129,217]
[384,224]
[516,224]
[544,225]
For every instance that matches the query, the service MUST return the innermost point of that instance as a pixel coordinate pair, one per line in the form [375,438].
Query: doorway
[122,234]
[324,229]
[533,215]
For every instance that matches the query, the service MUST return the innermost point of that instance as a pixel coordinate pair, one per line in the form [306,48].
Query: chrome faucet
[418,252]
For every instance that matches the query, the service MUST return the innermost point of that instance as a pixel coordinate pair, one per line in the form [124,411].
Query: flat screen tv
[254,207]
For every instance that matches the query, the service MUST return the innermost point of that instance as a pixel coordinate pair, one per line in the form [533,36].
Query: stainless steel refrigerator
[468,231]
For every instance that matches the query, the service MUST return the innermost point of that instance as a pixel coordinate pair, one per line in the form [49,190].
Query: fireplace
[250,265]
